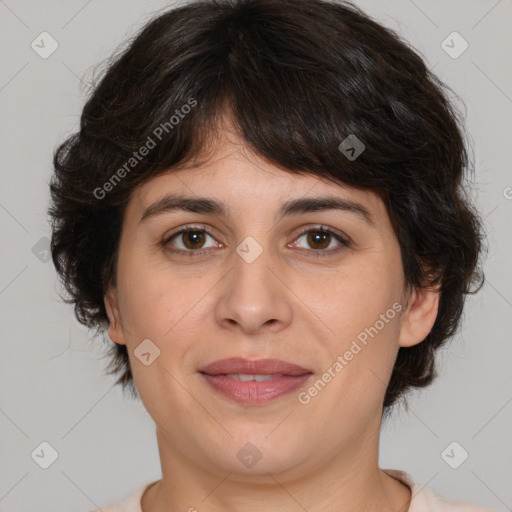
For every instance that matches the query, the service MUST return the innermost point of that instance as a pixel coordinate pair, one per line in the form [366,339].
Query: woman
[263,209]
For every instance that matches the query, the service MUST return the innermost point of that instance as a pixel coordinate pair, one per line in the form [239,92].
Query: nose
[254,297]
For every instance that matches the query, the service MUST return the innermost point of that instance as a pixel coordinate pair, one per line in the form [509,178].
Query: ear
[419,316]
[115,331]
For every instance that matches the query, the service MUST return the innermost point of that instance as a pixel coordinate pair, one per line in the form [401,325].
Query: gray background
[51,383]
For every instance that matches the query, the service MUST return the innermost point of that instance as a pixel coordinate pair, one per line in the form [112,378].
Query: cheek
[360,309]
[356,298]
[165,308]
[146,292]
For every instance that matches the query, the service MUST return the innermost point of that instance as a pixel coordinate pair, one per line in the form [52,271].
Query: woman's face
[258,284]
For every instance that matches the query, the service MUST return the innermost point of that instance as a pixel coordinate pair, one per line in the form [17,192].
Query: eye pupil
[193,238]
[318,237]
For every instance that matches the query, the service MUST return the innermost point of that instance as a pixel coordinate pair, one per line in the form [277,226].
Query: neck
[350,481]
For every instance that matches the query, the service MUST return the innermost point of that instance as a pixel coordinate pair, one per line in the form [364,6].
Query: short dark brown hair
[296,78]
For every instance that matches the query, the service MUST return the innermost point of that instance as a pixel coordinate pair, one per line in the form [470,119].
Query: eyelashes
[319,235]
[324,232]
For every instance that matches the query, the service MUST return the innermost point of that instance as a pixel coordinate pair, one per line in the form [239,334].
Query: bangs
[298,102]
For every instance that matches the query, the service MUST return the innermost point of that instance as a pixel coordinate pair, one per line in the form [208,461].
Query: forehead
[233,174]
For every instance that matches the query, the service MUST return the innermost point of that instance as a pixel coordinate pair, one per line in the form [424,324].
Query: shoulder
[130,503]
[437,503]
[424,499]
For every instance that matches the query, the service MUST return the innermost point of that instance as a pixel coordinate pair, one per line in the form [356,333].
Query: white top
[423,499]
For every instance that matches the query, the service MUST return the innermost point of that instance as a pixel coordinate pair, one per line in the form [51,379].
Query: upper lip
[237,365]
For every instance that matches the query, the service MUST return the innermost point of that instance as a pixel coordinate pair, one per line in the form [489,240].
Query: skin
[286,304]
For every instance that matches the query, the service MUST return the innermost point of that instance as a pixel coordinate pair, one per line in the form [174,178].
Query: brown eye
[193,239]
[318,239]
[187,240]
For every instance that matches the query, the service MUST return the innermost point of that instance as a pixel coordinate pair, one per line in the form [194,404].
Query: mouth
[254,382]
[247,377]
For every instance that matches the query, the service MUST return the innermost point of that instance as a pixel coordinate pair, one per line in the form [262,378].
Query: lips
[256,381]
[239,365]
[255,392]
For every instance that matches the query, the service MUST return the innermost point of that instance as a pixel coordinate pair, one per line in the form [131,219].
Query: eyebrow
[172,202]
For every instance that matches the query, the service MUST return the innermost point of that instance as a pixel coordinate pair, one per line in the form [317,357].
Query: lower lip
[253,392]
